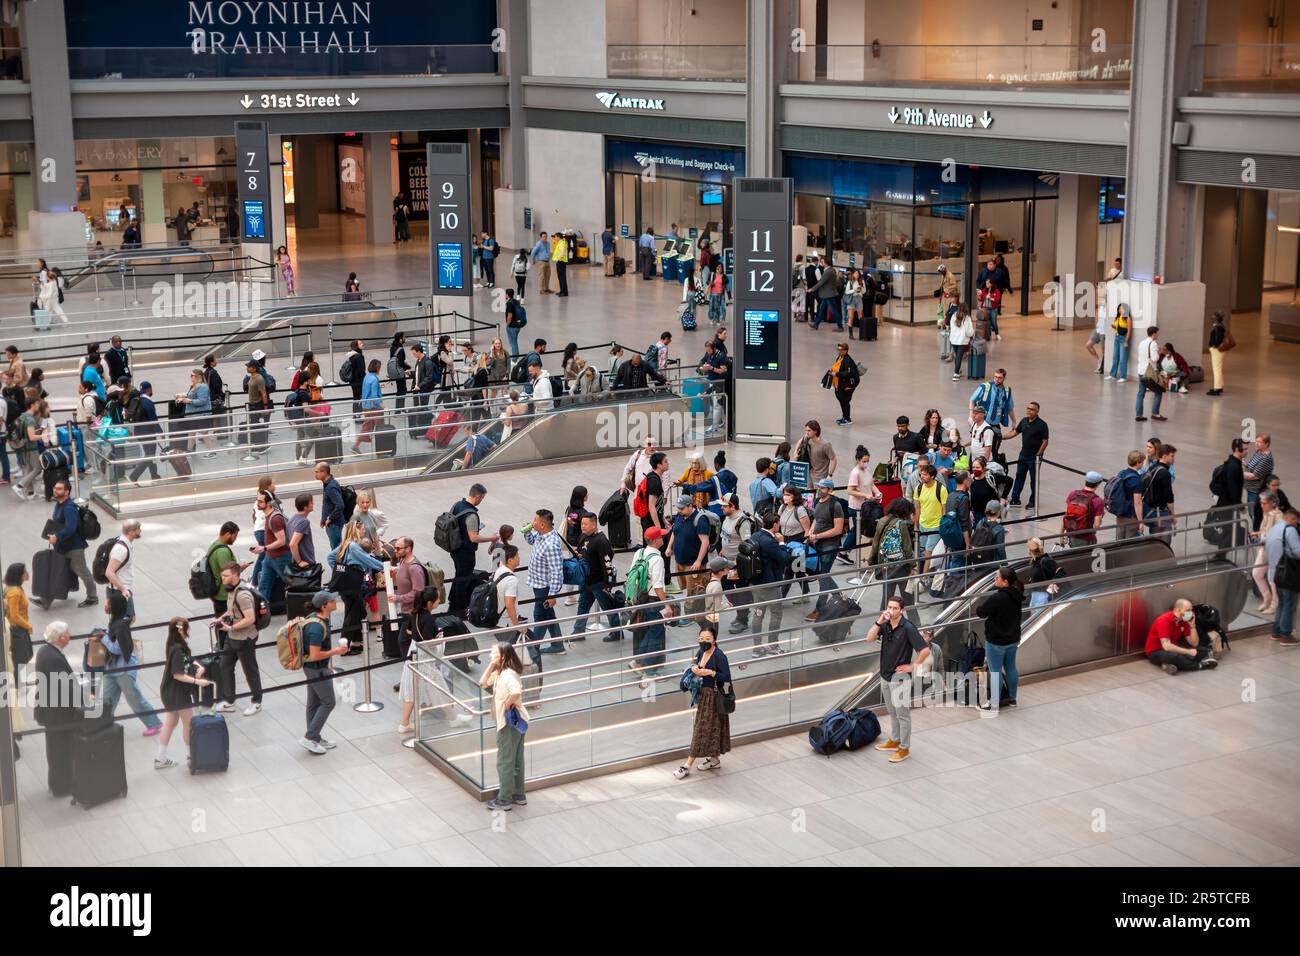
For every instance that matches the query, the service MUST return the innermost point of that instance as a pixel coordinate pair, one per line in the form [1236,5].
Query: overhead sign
[617,101]
[449,217]
[625,230]
[939,119]
[298,101]
[671,161]
[761,288]
[254,180]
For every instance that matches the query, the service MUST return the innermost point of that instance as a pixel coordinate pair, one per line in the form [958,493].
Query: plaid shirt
[546,564]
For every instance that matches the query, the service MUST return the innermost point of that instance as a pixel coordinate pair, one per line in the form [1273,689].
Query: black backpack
[203,583]
[447,533]
[749,561]
[983,545]
[484,604]
[89,522]
[104,554]
[519,374]
[261,609]
[349,501]
[1218,484]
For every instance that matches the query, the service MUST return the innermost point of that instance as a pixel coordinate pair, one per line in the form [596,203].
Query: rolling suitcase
[209,744]
[385,440]
[297,600]
[99,765]
[688,317]
[52,476]
[620,266]
[52,578]
[179,459]
[41,319]
[945,346]
[329,445]
[976,365]
[444,427]
[890,491]
[390,632]
[835,619]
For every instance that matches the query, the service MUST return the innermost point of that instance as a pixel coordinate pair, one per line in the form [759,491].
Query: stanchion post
[135,291]
[74,473]
[1038,487]
[334,373]
[367,706]
[98,297]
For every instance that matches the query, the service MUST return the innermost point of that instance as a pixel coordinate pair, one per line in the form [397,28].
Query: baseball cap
[258,355]
[732,499]
[826,483]
[321,598]
[1092,478]
[654,534]
[719,563]
[993,507]
[684,502]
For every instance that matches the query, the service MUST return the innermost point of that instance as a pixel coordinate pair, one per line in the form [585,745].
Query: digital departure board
[761,329]
[761,282]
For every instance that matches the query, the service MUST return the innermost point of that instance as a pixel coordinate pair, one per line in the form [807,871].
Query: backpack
[289,644]
[950,529]
[484,603]
[651,356]
[268,378]
[749,561]
[1078,511]
[203,583]
[1218,484]
[1148,479]
[349,501]
[104,554]
[345,371]
[641,503]
[1114,493]
[261,609]
[521,317]
[715,530]
[891,545]
[394,368]
[293,406]
[89,522]
[434,577]
[519,374]
[114,412]
[637,586]
[982,544]
[446,532]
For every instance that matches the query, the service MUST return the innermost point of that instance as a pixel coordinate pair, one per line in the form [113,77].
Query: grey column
[512,15]
[306,182]
[767,37]
[45,62]
[380,188]
[1159,212]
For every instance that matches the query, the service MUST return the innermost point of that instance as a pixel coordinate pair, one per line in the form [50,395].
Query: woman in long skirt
[712,736]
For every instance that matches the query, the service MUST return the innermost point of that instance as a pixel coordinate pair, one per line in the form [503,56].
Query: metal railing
[205,58]
[676,61]
[989,65]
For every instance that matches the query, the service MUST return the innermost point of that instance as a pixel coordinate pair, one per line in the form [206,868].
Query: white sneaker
[225,707]
[162,763]
[1110,378]
[327,743]
[855,582]
[1183,390]
[1121,380]
[708,763]
[310,746]
[467,718]
[252,709]
[405,729]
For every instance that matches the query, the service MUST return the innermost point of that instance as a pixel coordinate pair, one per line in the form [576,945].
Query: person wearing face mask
[707,677]
[1173,644]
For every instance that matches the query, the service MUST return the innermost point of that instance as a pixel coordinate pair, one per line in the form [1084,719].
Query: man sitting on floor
[1172,642]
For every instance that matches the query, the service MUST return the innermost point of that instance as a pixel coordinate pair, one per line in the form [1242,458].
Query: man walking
[239,625]
[319,672]
[1149,366]
[332,510]
[67,540]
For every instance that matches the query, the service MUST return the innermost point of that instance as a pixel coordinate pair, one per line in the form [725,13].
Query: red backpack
[641,503]
[1078,511]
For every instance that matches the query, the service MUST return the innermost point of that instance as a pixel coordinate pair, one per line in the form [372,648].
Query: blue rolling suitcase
[209,744]
[976,366]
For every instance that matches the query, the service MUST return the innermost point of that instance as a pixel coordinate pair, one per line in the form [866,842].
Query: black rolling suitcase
[385,440]
[870,328]
[329,445]
[52,476]
[52,577]
[98,765]
[620,266]
[835,617]
[297,600]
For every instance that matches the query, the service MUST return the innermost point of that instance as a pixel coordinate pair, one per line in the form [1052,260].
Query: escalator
[1095,616]
[364,320]
[148,265]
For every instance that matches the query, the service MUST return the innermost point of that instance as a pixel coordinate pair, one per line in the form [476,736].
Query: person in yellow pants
[1220,341]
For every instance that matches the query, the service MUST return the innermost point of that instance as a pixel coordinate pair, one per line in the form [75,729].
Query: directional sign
[762,277]
[729,261]
[449,219]
[937,119]
[254,180]
[625,230]
[298,101]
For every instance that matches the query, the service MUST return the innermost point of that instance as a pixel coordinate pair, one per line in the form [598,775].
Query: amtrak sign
[617,101]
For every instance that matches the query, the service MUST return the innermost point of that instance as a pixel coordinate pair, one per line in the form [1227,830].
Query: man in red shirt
[1172,642]
[1084,509]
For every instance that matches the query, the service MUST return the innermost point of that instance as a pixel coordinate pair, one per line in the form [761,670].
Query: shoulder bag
[724,699]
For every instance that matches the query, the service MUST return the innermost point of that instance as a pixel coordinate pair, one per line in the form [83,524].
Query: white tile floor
[1019,789]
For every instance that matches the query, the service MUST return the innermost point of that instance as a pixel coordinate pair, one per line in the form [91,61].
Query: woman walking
[178,690]
[844,379]
[1123,328]
[502,675]
[1001,613]
[286,268]
[710,677]
[961,329]
[519,269]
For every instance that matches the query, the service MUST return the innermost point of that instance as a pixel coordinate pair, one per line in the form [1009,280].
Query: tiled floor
[1022,788]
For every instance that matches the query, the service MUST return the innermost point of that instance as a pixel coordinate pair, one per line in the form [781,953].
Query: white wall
[566,37]
[672,22]
[1280,247]
[566,181]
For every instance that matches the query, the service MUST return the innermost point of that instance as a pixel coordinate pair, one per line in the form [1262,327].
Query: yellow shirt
[930,502]
[505,686]
[693,477]
[16,608]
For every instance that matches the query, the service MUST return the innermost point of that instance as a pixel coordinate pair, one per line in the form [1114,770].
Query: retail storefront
[906,219]
[650,184]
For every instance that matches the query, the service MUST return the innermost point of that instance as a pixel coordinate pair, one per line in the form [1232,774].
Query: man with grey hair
[58,706]
[120,573]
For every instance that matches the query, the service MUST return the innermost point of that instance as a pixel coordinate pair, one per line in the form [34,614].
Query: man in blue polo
[995,398]
[646,250]
[689,542]
[541,255]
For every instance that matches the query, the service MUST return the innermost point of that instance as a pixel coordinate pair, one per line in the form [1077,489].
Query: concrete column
[764,36]
[1159,211]
[306,183]
[512,15]
[380,188]
[45,59]
[153,211]
[275,159]
[1076,247]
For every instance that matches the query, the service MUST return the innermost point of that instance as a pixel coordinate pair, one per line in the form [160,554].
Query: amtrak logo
[642,158]
[617,101]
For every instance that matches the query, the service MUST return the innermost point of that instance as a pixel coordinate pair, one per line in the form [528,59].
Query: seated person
[1172,642]
[1175,368]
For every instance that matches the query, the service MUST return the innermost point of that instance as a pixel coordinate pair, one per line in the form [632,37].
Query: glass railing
[1247,67]
[1011,66]
[676,62]
[207,59]
[605,712]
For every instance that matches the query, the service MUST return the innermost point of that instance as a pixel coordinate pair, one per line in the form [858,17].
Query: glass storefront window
[15,192]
